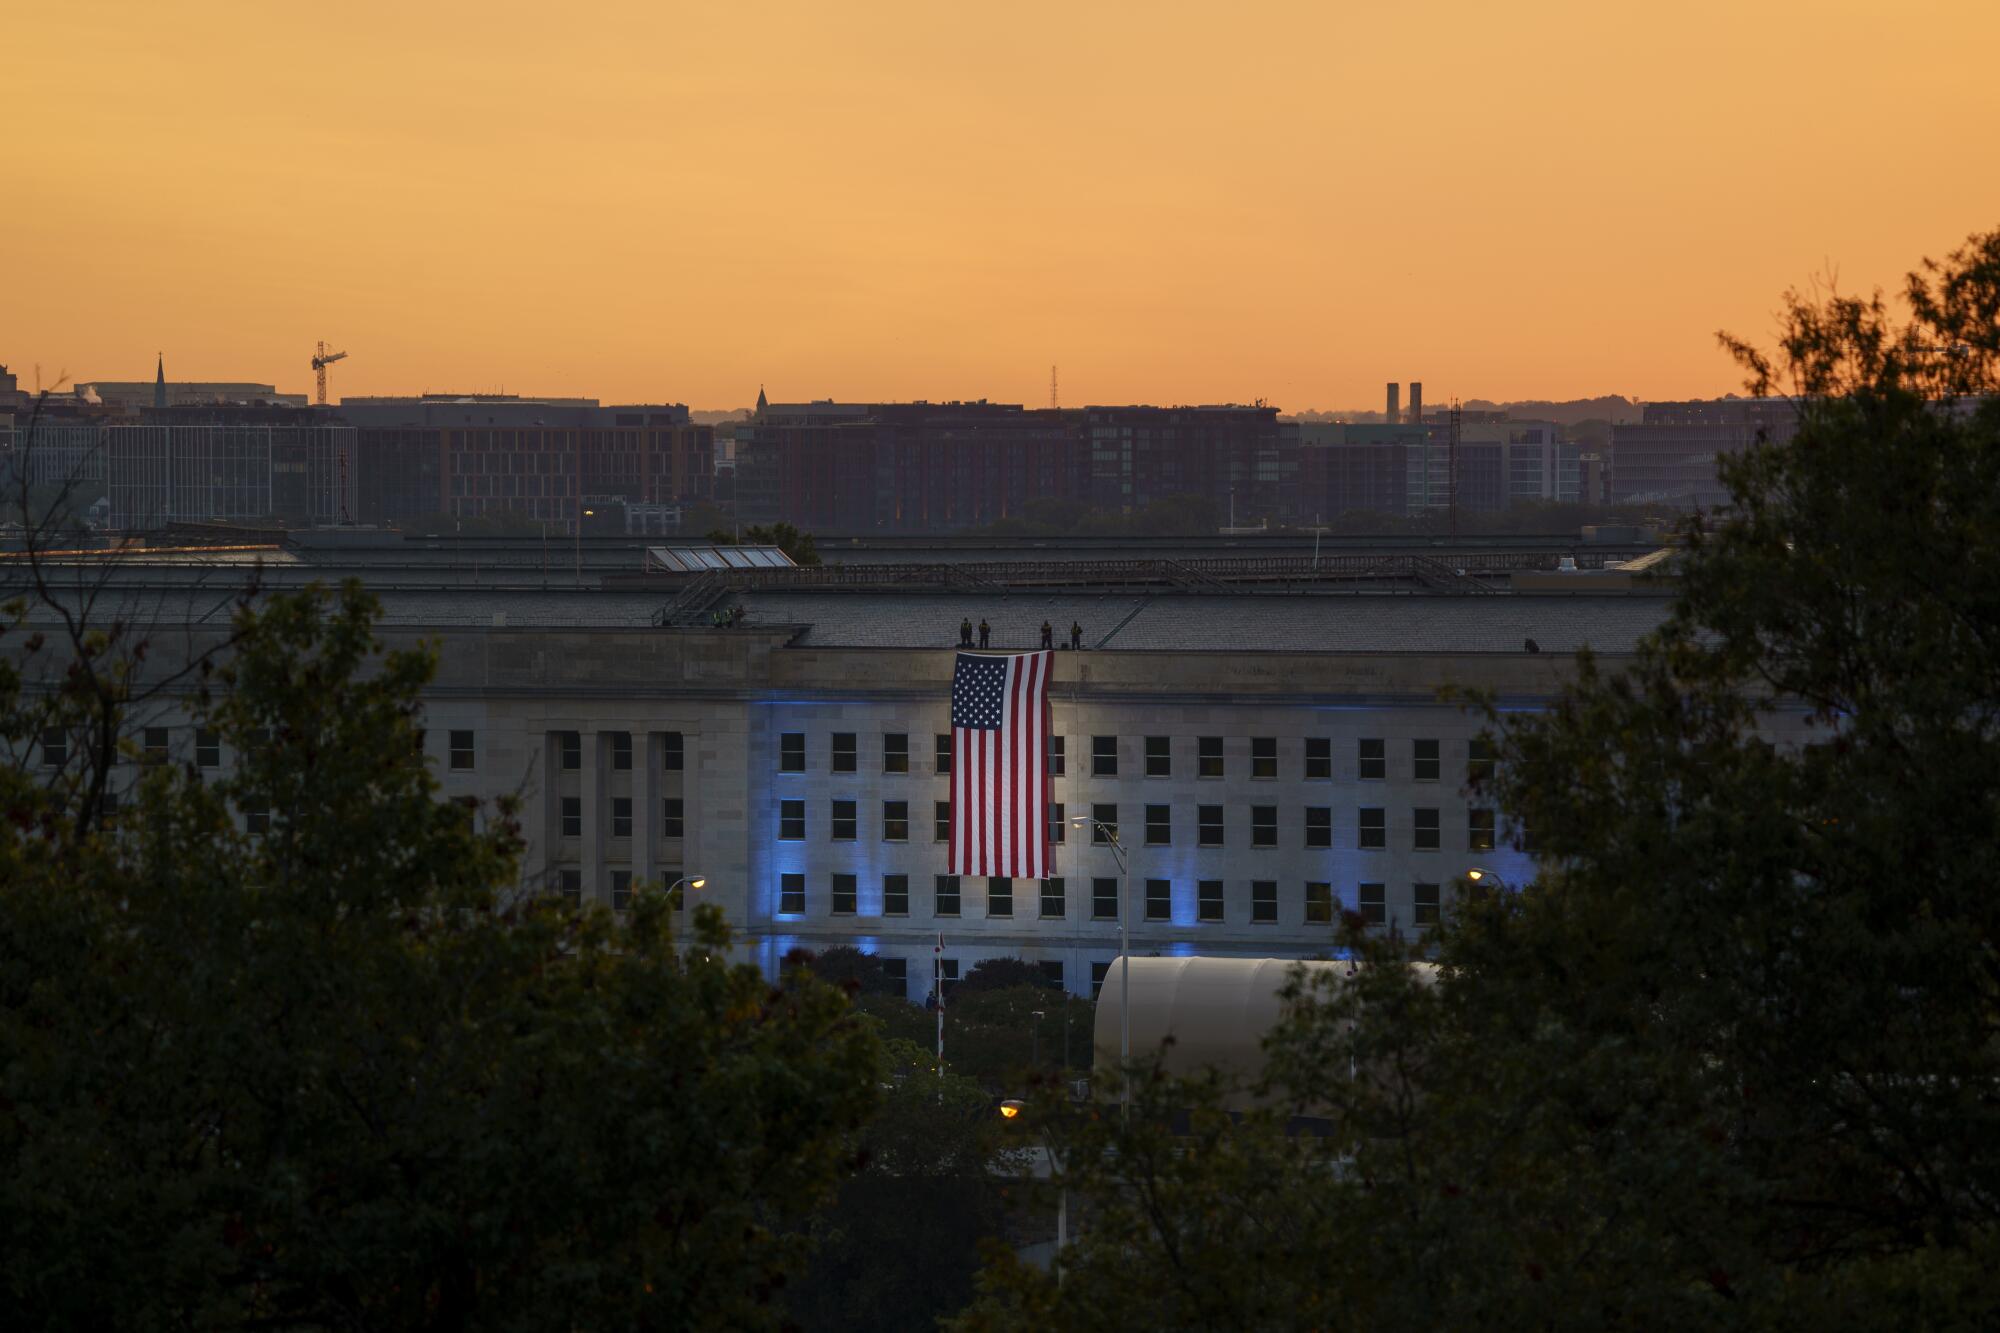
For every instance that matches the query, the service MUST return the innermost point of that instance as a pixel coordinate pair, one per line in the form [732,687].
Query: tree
[847,968]
[800,546]
[288,1049]
[1730,1059]
[1000,974]
[900,1246]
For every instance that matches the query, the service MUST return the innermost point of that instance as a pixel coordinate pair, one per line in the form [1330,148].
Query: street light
[1011,1109]
[694,884]
[1480,874]
[1124,957]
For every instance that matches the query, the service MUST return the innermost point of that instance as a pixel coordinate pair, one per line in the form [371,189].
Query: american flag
[1000,783]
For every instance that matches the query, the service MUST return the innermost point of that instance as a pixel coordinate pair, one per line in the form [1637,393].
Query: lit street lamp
[1124,957]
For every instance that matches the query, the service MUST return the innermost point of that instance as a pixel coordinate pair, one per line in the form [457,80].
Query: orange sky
[636,199]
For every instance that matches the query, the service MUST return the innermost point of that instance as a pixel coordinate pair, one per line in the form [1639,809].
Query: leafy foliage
[800,546]
[1732,1059]
[341,1074]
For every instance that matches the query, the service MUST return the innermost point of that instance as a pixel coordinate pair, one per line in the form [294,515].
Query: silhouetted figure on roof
[1075,635]
[1048,635]
[1532,646]
[985,632]
[965,633]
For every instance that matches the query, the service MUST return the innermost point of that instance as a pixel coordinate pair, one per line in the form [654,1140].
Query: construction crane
[321,360]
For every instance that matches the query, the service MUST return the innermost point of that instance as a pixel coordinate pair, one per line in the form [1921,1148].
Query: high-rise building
[1669,456]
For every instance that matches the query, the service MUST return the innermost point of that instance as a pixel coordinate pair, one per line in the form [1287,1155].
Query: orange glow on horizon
[644,201]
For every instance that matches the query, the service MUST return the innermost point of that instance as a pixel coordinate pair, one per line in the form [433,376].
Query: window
[1479,830]
[947,975]
[895,821]
[1208,825]
[672,753]
[1319,904]
[154,749]
[1208,900]
[621,890]
[1319,757]
[1105,827]
[1374,759]
[569,748]
[1159,899]
[1057,764]
[1263,826]
[1104,900]
[1479,762]
[1058,824]
[1055,906]
[1159,756]
[1052,972]
[1098,971]
[207,748]
[1263,756]
[791,821]
[1424,904]
[946,902]
[672,823]
[895,895]
[792,895]
[1374,827]
[1319,826]
[1374,903]
[1159,825]
[1208,757]
[621,751]
[107,807]
[842,901]
[843,821]
[621,816]
[1424,835]
[941,822]
[1263,901]
[1104,756]
[461,750]
[55,747]
[943,753]
[571,884]
[843,752]
[257,818]
[572,816]
[792,752]
[896,971]
[1424,760]
[895,752]
[999,897]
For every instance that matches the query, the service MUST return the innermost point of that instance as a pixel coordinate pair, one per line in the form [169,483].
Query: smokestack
[1416,402]
[1395,402]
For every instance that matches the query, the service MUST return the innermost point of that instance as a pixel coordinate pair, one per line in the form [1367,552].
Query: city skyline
[1282,203]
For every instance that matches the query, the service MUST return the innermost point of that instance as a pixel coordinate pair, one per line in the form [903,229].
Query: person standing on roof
[1048,635]
[965,633]
[1075,635]
[985,632]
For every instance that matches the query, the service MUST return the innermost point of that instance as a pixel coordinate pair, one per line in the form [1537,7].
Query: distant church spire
[160,382]
[761,404]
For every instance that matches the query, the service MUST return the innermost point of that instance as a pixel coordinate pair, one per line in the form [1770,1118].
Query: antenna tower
[1052,388]
[1451,465]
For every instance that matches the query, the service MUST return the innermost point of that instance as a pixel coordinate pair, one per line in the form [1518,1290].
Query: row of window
[1051,896]
[1371,756]
[155,742]
[569,750]
[1371,826]
[672,817]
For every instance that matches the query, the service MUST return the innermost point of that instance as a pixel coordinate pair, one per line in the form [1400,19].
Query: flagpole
[937,986]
